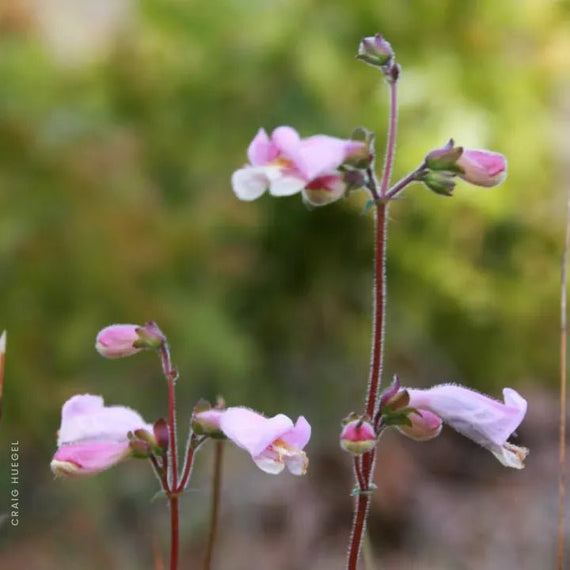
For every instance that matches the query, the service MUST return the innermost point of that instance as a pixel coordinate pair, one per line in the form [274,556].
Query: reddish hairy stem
[160,473]
[391,143]
[173,500]
[193,444]
[404,182]
[368,459]
[358,473]
[379,308]
[172,492]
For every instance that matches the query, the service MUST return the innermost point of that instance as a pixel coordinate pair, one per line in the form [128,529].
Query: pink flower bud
[160,429]
[207,422]
[444,158]
[117,341]
[482,167]
[425,426]
[358,436]
[324,190]
[375,51]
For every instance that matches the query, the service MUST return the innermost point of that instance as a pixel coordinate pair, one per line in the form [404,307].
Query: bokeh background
[121,122]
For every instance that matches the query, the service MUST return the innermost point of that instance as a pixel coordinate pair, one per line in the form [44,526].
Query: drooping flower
[285,164]
[273,443]
[485,420]
[482,167]
[93,437]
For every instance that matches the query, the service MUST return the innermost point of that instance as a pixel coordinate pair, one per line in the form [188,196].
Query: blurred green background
[120,125]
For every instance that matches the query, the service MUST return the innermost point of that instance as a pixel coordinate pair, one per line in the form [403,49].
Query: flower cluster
[94,437]
[285,165]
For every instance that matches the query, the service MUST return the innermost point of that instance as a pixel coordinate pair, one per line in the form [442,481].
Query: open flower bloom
[482,167]
[285,164]
[273,443]
[92,436]
[486,421]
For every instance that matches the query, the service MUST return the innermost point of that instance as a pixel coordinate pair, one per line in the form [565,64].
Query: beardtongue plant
[93,437]
[324,169]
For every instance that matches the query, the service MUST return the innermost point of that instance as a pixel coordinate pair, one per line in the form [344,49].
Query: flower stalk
[364,465]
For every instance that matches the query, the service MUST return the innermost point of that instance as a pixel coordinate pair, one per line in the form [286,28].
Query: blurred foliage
[116,206]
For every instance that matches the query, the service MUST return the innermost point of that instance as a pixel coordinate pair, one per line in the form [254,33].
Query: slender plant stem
[404,182]
[172,478]
[391,143]
[563,384]
[368,461]
[358,473]
[171,376]
[174,531]
[216,493]
[379,308]
[193,444]
[160,473]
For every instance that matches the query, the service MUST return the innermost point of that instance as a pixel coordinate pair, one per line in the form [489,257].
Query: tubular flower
[285,164]
[482,167]
[486,421]
[93,437]
[273,443]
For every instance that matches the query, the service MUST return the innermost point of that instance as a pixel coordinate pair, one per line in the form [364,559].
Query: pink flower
[285,164]
[273,443]
[93,437]
[486,421]
[117,341]
[482,167]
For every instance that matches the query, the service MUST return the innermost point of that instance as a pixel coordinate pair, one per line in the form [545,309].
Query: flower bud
[117,341]
[424,426]
[139,448]
[324,190]
[150,336]
[482,167]
[444,158]
[207,422]
[375,51]
[440,181]
[160,429]
[358,436]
